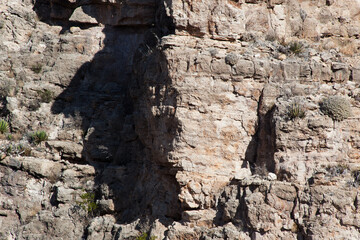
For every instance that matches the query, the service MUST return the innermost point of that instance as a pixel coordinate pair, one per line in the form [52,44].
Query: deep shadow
[121,138]
[260,152]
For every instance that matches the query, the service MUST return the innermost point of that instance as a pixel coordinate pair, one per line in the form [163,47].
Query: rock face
[180,119]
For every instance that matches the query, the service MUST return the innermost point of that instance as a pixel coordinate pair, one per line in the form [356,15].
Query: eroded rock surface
[180,119]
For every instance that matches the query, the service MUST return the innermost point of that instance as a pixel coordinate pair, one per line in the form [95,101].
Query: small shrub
[4,126]
[338,170]
[213,51]
[144,236]
[34,106]
[7,88]
[355,182]
[45,95]
[271,36]
[10,137]
[23,150]
[39,136]
[36,68]
[26,152]
[9,150]
[231,59]
[88,202]
[295,110]
[336,107]
[2,24]
[15,150]
[296,47]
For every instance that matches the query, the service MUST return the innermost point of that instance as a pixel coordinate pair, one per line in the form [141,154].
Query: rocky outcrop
[179,119]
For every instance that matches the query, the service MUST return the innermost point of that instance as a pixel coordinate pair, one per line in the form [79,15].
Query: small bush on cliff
[45,95]
[36,68]
[296,47]
[336,107]
[4,126]
[38,137]
[295,110]
[231,59]
[13,149]
[10,137]
[144,236]
[88,202]
[23,150]
[355,182]
[338,170]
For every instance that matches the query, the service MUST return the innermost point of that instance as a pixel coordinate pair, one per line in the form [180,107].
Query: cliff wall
[182,119]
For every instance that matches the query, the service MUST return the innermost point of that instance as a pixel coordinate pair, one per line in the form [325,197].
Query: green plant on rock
[13,149]
[296,47]
[45,95]
[9,150]
[336,107]
[144,236]
[36,68]
[4,126]
[26,151]
[295,110]
[88,202]
[39,136]
[10,137]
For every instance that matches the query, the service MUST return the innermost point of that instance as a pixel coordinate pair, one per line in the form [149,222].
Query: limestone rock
[173,116]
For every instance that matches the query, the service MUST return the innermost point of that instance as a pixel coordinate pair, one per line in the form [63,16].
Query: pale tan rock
[281,57]
[66,149]
[80,16]
[75,30]
[356,74]
[36,166]
[64,195]
[272,176]
[101,227]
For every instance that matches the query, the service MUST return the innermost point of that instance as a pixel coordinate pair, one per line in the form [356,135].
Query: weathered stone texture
[184,119]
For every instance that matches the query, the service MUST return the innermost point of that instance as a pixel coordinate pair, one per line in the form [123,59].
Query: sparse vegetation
[271,36]
[10,137]
[144,236]
[23,150]
[231,59]
[15,149]
[213,52]
[7,88]
[4,126]
[45,95]
[8,150]
[38,137]
[338,170]
[296,47]
[34,105]
[88,202]
[336,107]
[356,179]
[36,68]
[295,110]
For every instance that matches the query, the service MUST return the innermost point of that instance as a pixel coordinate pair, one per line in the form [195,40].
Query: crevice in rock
[300,228]
[261,149]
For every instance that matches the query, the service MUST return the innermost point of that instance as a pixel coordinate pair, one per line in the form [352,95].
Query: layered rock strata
[182,119]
